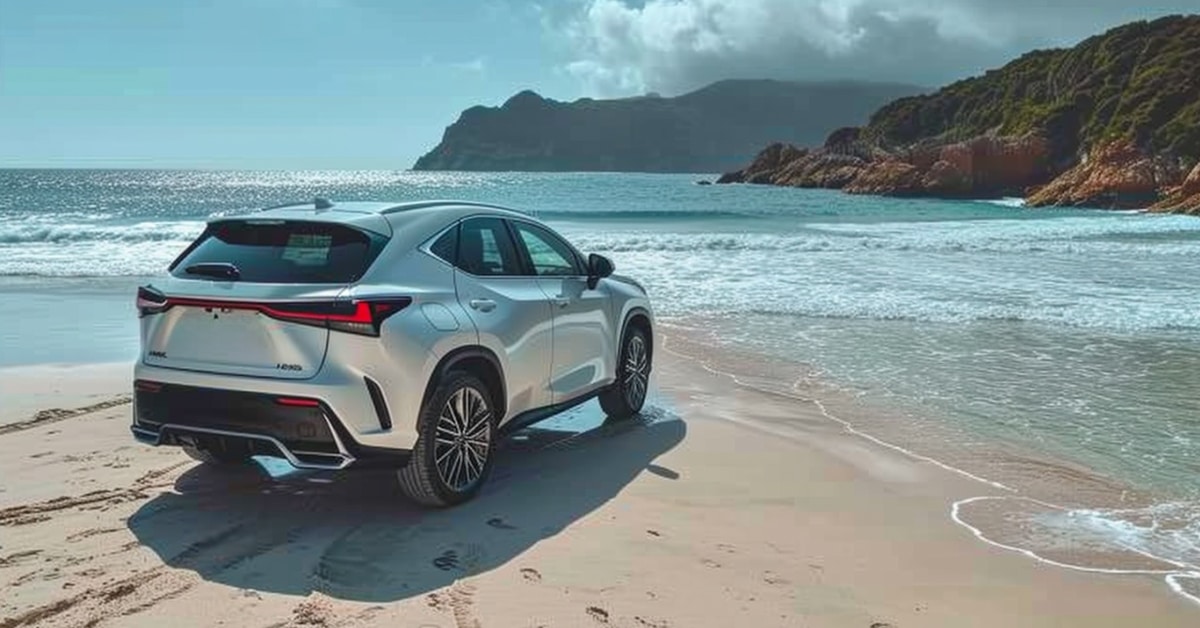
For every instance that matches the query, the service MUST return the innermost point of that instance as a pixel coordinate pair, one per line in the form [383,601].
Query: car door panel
[510,312]
[583,357]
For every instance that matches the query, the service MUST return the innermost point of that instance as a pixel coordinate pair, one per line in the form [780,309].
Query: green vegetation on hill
[1139,82]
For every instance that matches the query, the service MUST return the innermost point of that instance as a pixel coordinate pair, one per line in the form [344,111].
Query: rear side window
[284,251]
[486,248]
[446,247]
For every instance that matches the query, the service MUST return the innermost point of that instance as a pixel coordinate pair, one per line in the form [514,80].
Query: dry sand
[724,506]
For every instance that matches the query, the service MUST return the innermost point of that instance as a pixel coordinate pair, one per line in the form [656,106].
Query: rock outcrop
[1111,123]
[984,166]
[1185,198]
[712,129]
[1114,175]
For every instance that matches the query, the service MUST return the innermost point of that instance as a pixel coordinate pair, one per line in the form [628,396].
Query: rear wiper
[222,270]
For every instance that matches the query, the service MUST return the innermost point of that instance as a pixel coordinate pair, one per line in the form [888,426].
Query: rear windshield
[284,252]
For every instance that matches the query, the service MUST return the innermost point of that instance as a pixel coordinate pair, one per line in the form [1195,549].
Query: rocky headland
[1111,123]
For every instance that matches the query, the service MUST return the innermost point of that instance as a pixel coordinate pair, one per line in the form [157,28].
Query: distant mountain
[709,130]
[1112,122]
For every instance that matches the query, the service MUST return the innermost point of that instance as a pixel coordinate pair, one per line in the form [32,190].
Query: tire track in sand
[218,552]
[54,415]
[40,511]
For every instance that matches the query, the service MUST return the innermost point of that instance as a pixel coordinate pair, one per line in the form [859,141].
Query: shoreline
[762,509]
[1013,472]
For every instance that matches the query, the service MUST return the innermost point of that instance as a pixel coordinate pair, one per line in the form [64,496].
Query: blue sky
[372,83]
[254,83]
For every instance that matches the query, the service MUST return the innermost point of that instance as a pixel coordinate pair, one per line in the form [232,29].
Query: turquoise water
[1075,333]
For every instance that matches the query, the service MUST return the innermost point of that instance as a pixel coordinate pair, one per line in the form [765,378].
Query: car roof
[388,208]
[383,217]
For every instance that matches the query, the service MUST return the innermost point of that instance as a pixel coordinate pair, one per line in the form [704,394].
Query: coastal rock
[987,166]
[1185,198]
[890,177]
[820,169]
[765,165]
[1115,175]
[984,166]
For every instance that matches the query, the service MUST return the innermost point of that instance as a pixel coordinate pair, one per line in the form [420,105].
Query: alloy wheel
[637,371]
[463,439]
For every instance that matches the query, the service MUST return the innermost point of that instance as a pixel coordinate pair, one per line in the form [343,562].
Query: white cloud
[477,65]
[624,46]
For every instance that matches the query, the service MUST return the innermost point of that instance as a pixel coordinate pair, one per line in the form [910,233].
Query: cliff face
[1113,122]
[709,130]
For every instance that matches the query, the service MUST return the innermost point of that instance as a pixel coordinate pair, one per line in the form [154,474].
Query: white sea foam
[1167,533]
[35,231]
[1008,201]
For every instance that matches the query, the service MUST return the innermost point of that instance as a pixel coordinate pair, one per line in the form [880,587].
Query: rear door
[510,311]
[252,297]
[583,335]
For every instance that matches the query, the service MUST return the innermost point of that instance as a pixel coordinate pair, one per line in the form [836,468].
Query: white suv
[409,335]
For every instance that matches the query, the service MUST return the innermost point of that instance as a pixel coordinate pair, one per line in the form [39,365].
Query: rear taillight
[359,316]
[150,301]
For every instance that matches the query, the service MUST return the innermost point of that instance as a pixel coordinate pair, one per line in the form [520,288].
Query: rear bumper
[341,389]
[304,430]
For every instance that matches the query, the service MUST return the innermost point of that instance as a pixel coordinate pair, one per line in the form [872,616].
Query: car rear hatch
[257,297]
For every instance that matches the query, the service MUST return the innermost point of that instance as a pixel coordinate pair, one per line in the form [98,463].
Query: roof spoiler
[318,204]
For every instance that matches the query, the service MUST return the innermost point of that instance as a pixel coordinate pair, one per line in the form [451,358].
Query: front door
[583,347]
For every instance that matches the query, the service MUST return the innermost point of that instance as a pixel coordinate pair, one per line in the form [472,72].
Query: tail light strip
[355,316]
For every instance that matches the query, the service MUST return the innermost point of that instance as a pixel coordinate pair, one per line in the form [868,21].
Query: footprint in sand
[652,623]
[770,577]
[500,524]
[531,575]
[447,561]
[437,601]
[711,563]
[598,614]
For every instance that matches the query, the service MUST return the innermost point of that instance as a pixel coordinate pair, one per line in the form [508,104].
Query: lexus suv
[406,335]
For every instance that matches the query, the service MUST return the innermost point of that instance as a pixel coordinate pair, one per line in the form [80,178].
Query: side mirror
[599,267]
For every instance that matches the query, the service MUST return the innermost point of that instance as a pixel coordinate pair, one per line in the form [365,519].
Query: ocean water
[1070,334]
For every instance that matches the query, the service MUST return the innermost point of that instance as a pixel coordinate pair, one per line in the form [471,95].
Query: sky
[347,84]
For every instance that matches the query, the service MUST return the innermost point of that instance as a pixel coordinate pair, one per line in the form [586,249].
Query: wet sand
[722,506]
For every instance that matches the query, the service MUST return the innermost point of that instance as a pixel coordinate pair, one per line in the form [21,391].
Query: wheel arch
[640,318]
[478,361]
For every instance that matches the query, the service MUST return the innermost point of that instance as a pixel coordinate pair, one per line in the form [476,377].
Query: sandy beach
[722,506]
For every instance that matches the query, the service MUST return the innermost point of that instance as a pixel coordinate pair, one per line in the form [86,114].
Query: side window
[548,254]
[485,248]
[446,247]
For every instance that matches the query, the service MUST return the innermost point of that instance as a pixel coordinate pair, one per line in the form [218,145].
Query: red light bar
[147,386]
[297,401]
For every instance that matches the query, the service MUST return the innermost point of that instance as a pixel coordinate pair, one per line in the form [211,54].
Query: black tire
[627,395]
[222,458]
[453,456]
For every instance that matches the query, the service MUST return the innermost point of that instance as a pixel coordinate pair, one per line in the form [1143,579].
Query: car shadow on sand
[353,535]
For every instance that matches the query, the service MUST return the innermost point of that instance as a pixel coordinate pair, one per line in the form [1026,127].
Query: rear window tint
[284,252]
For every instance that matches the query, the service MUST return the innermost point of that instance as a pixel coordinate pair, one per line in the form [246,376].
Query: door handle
[561,301]
[483,305]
